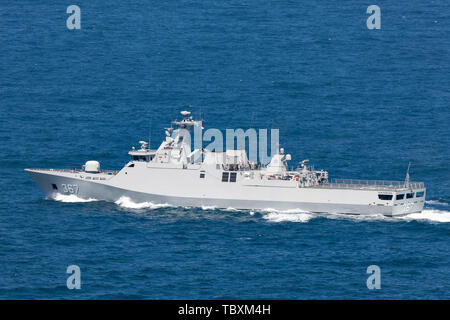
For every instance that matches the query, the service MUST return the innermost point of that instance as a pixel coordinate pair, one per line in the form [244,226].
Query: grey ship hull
[108,187]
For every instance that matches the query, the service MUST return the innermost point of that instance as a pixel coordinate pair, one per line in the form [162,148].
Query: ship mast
[407,175]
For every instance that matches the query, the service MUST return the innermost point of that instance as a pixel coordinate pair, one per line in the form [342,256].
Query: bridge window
[225,176]
[233,177]
[419,194]
[410,195]
[202,175]
[400,196]
[139,158]
[385,196]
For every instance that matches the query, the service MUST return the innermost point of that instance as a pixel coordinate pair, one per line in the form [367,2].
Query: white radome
[92,166]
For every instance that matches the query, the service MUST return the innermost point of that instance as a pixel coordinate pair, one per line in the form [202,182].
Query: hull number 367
[70,188]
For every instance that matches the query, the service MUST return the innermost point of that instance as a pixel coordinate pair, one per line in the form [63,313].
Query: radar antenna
[185,113]
[304,163]
[143,144]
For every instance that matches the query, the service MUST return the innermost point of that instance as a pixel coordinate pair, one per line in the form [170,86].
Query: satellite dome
[92,167]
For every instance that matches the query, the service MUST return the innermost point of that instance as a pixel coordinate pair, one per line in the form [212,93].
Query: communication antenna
[407,175]
[200,117]
[150,132]
[278,148]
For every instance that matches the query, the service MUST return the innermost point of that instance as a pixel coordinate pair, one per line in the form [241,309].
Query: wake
[429,214]
[69,198]
[127,203]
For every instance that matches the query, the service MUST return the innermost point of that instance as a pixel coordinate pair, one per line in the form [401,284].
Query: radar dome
[92,166]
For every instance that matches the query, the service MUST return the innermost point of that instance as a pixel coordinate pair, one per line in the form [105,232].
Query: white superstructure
[177,175]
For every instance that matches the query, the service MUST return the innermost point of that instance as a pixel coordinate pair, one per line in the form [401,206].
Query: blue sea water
[359,103]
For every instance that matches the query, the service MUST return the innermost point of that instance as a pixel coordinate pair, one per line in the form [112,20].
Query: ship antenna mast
[407,175]
[150,132]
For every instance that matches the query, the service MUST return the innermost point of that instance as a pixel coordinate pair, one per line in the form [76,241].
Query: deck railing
[75,170]
[370,184]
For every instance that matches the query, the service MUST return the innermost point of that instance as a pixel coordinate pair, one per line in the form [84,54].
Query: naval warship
[174,174]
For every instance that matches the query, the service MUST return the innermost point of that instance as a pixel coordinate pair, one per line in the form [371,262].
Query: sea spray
[126,202]
[71,198]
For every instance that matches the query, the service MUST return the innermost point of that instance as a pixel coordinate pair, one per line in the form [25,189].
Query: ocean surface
[359,103]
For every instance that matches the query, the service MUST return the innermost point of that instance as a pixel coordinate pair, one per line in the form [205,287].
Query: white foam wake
[206,208]
[231,209]
[356,217]
[292,215]
[427,215]
[273,215]
[430,215]
[288,217]
[70,198]
[126,202]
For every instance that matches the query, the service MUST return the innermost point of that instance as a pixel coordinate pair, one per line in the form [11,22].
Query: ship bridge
[142,154]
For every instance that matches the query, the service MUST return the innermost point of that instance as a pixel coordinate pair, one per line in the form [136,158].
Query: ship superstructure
[177,175]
